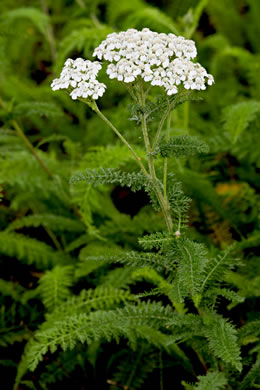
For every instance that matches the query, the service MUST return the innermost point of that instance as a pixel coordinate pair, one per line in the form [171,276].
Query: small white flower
[80,75]
[161,59]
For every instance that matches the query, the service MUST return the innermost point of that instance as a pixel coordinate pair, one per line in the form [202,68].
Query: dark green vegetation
[95,294]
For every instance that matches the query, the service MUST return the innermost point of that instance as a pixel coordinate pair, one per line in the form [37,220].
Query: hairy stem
[137,158]
[164,204]
[166,160]
[160,127]
[186,107]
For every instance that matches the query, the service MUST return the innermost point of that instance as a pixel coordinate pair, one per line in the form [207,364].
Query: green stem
[186,115]
[159,130]
[131,92]
[166,113]
[21,134]
[166,159]
[164,204]
[137,158]
[53,238]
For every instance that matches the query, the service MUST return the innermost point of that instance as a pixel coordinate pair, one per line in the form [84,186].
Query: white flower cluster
[162,59]
[80,76]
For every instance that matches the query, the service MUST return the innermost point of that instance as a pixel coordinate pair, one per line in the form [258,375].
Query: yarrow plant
[180,269]
[140,60]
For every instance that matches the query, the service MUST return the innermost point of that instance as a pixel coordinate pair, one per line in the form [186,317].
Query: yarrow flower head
[79,76]
[161,59]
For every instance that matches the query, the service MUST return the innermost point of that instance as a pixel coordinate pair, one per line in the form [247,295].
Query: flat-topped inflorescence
[80,77]
[161,59]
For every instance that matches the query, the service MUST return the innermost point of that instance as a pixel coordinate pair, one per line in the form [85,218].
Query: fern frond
[132,322]
[252,378]
[10,330]
[156,240]
[152,18]
[29,250]
[250,332]
[223,340]
[56,223]
[34,15]
[20,171]
[179,202]
[153,277]
[54,286]
[185,326]
[217,268]
[82,40]
[182,145]
[230,295]
[212,381]
[15,334]
[9,142]
[192,260]
[119,277]
[237,118]
[117,12]
[29,109]
[110,176]
[137,259]
[88,265]
[11,289]
[111,156]
[77,243]
[100,298]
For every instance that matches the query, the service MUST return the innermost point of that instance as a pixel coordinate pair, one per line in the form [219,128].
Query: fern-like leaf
[29,250]
[252,378]
[222,339]
[56,223]
[182,145]
[132,322]
[137,259]
[54,286]
[110,176]
[34,15]
[238,117]
[100,298]
[152,18]
[82,40]
[192,259]
[217,267]
[212,381]
[156,240]
[28,109]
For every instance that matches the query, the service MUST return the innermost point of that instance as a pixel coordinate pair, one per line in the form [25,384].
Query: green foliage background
[74,261]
